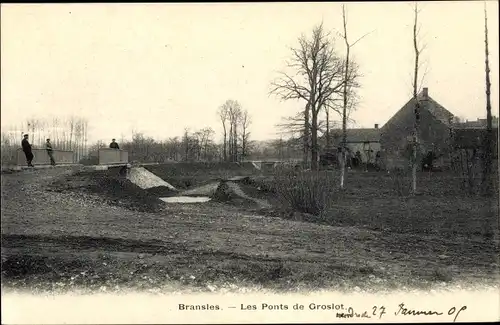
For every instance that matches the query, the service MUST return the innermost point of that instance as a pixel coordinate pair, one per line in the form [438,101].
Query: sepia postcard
[250,162]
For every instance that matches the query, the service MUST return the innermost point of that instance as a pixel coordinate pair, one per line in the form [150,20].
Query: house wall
[358,146]
[433,135]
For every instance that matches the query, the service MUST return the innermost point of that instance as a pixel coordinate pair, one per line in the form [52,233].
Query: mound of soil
[110,188]
[223,193]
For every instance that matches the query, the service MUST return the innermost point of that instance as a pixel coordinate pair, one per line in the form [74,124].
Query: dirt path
[60,240]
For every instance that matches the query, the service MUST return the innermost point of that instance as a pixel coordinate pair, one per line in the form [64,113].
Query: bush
[306,191]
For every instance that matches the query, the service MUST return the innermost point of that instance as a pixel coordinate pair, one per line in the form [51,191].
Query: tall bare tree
[416,100]
[234,115]
[186,139]
[223,112]
[488,150]
[55,130]
[317,79]
[71,122]
[245,121]
[346,89]
[230,112]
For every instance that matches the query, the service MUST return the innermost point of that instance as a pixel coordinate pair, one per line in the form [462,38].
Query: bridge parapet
[108,156]
[41,157]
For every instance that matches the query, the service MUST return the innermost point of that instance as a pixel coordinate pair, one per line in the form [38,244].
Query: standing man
[114,145]
[48,146]
[27,150]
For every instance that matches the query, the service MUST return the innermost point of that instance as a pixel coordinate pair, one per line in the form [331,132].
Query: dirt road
[65,240]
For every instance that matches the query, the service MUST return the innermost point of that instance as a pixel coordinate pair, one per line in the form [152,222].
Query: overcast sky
[158,68]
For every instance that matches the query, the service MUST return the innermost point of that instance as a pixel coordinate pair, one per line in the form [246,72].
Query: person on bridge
[48,146]
[27,150]
[114,145]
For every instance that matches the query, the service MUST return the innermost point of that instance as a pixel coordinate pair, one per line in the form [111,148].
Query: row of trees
[200,145]
[236,122]
[191,146]
[69,133]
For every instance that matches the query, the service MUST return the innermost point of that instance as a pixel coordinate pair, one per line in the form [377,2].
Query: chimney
[425,92]
[376,126]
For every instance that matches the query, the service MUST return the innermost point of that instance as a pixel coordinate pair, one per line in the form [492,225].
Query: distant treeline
[199,145]
[196,146]
[70,133]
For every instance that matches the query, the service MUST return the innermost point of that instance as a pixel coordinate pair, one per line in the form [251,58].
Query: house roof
[428,103]
[438,111]
[357,135]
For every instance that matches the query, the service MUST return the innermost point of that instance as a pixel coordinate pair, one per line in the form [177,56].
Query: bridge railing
[41,157]
[108,156]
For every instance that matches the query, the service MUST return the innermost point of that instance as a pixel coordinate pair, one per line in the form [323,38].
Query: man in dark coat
[27,150]
[114,145]
[48,146]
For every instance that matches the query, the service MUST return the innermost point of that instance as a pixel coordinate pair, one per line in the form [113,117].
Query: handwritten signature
[403,310]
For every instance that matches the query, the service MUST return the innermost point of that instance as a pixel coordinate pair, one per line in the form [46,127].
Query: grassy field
[382,201]
[64,229]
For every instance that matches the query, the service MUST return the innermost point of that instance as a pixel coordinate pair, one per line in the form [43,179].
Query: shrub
[222,193]
[306,191]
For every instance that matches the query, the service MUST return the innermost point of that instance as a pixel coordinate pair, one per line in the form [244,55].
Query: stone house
[434,132]
[366,141]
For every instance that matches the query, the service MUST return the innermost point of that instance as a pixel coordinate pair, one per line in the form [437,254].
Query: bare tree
[230,112]
[416,100]
[55,130]
[293,126]
[317,80]
[245,121]
[206,141]
[186,144]
[488,150]
[223,115]
[85,136]
[71,122]
[235,116]
[78,135]
[350,75]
